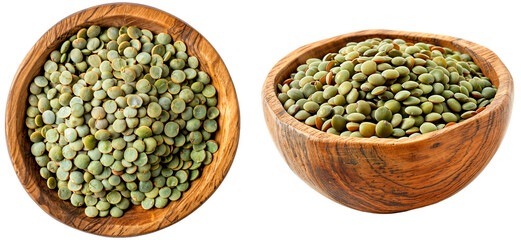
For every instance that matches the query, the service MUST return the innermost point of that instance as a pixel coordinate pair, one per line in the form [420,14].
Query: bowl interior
[136,220]
[482,56]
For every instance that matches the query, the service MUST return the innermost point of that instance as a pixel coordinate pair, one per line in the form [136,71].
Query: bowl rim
[231,138]
[504,90]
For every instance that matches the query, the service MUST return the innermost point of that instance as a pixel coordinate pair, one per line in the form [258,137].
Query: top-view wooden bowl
[136,220]
[390,175]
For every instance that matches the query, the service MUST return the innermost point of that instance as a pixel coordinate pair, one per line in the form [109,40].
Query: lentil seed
[377,89]
[109,115]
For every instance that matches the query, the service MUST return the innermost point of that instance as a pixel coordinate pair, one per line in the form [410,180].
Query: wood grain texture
[387,175]
[135,221]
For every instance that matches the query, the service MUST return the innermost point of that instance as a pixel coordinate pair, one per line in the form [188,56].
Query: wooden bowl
[136,220]
[388,175]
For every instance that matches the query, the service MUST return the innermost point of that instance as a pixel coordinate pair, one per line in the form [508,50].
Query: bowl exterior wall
[386,178]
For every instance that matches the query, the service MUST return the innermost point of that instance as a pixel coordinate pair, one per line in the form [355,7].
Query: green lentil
[385,88]
[125,116]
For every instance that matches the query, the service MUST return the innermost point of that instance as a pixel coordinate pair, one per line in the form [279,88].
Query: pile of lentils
[121,117]
[387,89]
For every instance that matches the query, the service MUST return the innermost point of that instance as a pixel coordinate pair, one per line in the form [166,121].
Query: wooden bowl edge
[268,95]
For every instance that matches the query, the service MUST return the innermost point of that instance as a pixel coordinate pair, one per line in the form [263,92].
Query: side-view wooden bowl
[389,175]
[136,220]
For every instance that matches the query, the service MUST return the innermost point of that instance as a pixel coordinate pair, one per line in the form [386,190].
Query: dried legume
[386,88]
[122,117]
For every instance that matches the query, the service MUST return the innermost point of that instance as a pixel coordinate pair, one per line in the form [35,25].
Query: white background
[261,198]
